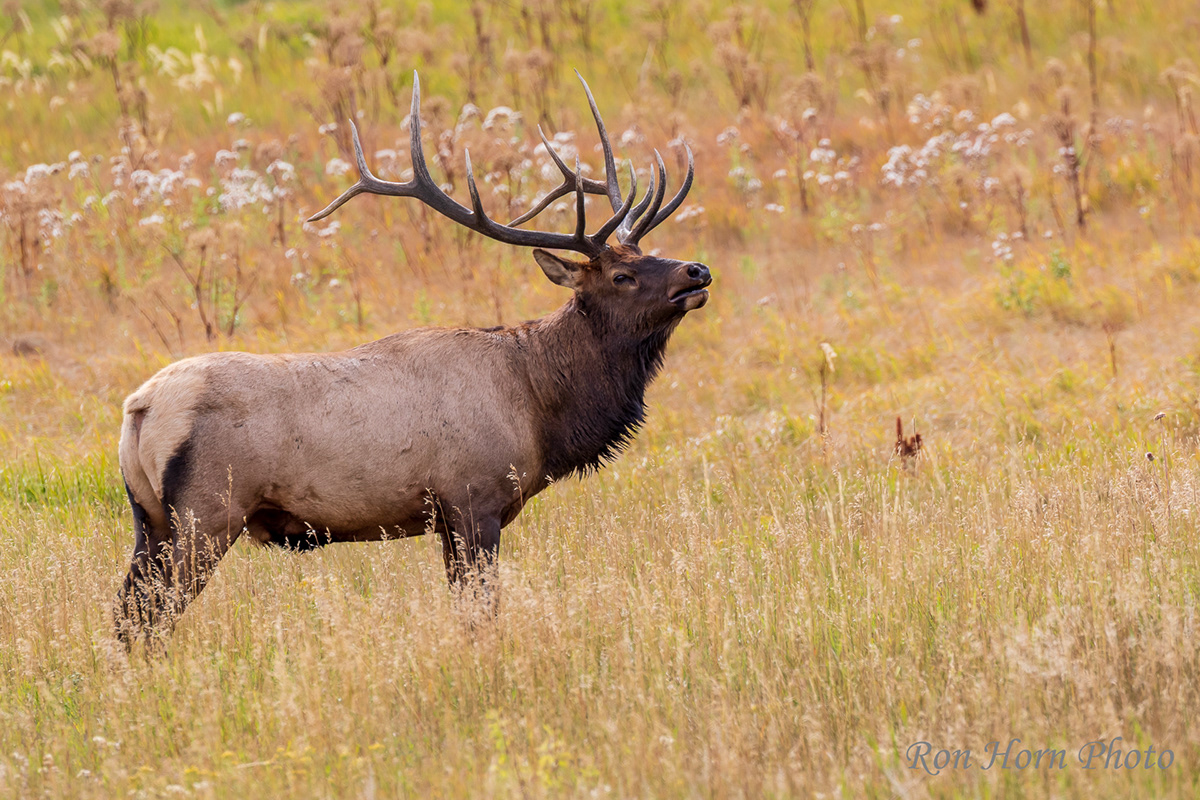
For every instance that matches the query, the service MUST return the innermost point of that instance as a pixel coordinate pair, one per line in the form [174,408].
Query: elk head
[638,293]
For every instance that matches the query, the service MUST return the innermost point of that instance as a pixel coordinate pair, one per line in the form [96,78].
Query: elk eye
[622,280]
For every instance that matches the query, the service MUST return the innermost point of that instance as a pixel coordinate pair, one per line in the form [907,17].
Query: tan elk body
[451,430]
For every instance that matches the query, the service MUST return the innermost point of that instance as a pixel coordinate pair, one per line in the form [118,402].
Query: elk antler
[423,188]
[609,188]
[626,232]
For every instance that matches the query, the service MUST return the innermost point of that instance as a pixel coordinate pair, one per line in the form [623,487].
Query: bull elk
[446,430]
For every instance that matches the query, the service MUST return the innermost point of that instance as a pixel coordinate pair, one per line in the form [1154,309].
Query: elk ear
[559,270]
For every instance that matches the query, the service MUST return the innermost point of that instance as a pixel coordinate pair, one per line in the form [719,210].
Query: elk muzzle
[693,293]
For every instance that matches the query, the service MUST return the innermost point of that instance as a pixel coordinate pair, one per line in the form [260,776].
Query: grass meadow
[985,224]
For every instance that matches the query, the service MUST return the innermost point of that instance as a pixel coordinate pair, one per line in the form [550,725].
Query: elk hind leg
[143,597]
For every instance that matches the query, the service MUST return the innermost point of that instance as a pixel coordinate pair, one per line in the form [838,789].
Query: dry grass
[761,598]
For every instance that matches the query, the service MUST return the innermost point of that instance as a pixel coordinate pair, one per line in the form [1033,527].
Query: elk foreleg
[482,546]
[471,555]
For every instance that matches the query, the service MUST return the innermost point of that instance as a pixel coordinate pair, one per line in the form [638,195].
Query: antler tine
[476,204]
[621,214]
[566,187]
[670,207]
[643,224]
[627,224]
[424,187]
[416,150]
[580,213]
[364,175]
[610,165]
[541,206]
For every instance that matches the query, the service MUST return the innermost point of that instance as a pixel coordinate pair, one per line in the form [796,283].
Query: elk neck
[588,375]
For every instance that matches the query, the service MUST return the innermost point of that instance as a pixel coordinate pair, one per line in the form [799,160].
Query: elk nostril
[695,271]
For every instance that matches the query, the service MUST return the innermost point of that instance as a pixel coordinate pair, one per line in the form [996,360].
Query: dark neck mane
[589,385]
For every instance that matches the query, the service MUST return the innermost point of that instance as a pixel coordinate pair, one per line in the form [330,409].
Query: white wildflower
[500,114]
[822,153]
[281,170]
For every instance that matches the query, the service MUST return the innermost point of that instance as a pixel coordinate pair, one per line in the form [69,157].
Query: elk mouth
[692,297]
